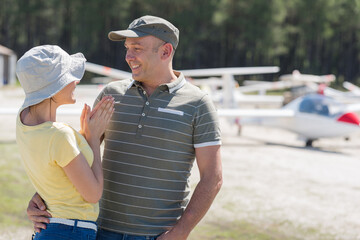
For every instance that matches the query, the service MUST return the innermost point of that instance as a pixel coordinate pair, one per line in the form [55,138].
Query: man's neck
[151,84]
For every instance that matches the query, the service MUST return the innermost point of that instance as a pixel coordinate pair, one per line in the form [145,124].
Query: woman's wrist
[93,141]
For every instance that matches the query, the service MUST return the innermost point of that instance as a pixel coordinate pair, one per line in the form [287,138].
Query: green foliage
[318,37]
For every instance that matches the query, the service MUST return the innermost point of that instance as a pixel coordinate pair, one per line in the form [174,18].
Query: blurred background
[274,187]
[317,37]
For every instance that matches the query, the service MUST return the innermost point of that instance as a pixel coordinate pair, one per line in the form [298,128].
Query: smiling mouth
[134,66]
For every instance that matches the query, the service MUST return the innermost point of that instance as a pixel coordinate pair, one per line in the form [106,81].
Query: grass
[15,188]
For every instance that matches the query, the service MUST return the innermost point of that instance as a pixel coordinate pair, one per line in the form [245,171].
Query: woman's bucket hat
[44,70]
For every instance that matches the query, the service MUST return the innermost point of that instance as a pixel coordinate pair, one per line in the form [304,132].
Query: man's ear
[167,50]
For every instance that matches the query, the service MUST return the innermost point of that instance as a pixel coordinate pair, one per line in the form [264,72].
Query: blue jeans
[108,235]
[56,231]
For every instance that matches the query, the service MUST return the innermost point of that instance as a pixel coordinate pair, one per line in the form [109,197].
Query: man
[160,124]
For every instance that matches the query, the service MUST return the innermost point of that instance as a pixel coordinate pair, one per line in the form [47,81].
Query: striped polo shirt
[149,152]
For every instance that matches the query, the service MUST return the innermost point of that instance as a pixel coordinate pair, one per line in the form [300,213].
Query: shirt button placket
[142,118]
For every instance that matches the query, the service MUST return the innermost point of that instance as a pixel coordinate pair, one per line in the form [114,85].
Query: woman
[63,165]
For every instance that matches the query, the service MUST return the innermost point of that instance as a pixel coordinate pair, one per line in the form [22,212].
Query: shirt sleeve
[98,98]
[206,124]
[64,147]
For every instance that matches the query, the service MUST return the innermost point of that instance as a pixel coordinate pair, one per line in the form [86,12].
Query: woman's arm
[89,181]
[36,210]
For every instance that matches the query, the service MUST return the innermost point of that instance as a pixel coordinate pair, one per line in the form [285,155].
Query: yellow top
[45,149]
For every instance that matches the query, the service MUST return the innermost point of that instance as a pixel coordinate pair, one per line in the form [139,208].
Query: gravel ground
[270,179]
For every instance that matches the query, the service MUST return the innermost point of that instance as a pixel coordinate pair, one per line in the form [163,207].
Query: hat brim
[75,73]
[123,34]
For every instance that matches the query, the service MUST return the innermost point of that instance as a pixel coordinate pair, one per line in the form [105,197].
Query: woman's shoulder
[61,128]
[118,86]
[62,132]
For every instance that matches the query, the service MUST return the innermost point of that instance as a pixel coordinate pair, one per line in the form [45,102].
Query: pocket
[171,111]
[91,237]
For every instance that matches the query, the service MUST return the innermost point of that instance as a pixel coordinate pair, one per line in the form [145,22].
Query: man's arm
[37,213]
[209,163]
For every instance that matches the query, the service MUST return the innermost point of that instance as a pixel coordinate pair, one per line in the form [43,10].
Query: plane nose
[350,117]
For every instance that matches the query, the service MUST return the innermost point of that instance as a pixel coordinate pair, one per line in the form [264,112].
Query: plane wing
[8,111]
[60,111]
[211,72]
[206,72]
[269,113]
[107,71]
[264,86]
[297,76]
[351,87]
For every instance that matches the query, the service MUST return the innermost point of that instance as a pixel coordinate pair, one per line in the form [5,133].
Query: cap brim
[123,34]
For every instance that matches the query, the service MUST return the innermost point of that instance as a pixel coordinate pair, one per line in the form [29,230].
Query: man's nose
[129,55]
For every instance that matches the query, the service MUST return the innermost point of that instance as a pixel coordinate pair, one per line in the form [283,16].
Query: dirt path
[271,180]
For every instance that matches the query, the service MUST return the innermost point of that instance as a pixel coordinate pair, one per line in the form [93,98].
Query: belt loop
[75,225]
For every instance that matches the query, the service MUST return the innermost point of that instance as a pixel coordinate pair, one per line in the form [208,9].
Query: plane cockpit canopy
[320,105]
[317,104]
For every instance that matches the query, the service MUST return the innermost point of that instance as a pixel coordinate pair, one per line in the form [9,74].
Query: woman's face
[66,95]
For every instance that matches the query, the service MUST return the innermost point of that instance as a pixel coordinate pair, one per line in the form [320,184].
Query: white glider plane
[312,117]
[295,79]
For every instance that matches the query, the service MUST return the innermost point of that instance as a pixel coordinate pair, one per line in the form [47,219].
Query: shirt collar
[171,87]
[178,83]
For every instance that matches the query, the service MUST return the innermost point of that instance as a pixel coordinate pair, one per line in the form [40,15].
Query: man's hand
[37,213]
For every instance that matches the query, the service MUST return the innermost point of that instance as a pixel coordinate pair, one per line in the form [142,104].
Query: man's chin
[136,77]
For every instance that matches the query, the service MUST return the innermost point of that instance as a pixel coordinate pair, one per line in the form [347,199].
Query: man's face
[143,57]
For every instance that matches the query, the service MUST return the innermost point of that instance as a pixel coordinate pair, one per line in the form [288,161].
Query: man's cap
[148,25]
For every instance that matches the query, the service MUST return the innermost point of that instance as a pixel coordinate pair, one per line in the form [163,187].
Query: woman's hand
[93,123]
